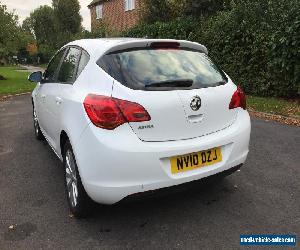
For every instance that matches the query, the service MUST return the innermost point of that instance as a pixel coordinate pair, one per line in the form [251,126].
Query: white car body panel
[118,164]
[114,164]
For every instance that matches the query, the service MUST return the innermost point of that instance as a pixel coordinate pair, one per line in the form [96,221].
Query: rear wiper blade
[218,83]
[184,83]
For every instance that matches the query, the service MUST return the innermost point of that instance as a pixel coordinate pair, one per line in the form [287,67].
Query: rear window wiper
[218,83]
[184,83]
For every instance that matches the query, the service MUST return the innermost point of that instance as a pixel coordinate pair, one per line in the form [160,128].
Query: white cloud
[23,8]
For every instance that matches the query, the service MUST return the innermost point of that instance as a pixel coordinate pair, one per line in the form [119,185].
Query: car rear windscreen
[162,69]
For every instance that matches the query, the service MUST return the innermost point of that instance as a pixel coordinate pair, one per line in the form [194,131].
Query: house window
[129,5]
[99,9]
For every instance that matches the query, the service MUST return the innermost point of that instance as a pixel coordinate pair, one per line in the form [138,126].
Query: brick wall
[115,18]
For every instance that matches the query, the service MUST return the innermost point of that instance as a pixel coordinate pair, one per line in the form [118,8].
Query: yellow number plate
[195,160]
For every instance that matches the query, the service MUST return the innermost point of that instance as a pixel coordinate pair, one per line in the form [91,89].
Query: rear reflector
[108,112]
[238,99]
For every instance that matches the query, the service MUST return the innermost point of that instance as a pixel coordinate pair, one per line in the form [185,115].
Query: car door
[46,97]
[61,96]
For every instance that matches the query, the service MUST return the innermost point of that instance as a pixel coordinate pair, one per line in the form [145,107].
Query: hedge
[256,42]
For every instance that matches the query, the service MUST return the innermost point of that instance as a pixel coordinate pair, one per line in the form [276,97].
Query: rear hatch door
[185,93]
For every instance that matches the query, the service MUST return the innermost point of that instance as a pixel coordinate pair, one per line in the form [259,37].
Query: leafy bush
[284,47]
[166,10]
[157,10]
[176,29]
[96,33]
[256,42]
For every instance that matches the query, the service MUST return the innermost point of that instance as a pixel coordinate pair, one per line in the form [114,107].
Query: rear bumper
[182,187]
[116,164]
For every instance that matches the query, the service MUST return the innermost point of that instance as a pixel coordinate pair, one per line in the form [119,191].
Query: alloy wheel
[71,179]
[35,122]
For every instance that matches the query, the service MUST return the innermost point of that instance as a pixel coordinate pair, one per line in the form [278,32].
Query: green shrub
[284,45]
[177,29]
[257,43]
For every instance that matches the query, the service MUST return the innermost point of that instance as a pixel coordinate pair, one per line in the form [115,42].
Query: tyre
[79,202]
[37,130]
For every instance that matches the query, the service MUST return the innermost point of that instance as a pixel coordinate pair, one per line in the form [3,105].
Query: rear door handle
[58,100]
[43,98]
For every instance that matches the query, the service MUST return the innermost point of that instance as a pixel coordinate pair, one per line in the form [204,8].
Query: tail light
[109,113]
[238,99]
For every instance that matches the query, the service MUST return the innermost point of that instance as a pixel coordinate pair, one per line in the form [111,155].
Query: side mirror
[36,77]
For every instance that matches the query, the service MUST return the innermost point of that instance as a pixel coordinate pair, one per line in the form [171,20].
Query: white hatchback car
[132,115]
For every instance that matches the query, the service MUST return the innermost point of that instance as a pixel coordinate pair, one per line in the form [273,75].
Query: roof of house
[94,2]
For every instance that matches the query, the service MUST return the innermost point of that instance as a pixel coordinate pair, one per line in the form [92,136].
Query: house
[115,15]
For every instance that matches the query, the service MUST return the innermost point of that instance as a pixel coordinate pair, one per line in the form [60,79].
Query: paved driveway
[31,68]
[264,197]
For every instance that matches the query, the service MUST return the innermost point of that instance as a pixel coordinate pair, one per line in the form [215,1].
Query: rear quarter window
[84,59]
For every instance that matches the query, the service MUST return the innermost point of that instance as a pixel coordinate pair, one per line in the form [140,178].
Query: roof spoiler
[156,43]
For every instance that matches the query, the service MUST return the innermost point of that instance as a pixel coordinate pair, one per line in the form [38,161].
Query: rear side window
[68,69]
[140,69]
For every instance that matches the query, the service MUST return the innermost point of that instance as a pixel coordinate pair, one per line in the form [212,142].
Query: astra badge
[146,127]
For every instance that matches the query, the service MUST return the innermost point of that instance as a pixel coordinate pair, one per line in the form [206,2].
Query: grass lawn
[16,82]
[274,106]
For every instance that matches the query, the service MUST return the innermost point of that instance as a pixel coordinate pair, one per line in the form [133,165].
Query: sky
[23,8]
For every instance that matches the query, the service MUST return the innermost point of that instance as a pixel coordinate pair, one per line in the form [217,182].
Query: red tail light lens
[238,99]
[109,113]
[133,112]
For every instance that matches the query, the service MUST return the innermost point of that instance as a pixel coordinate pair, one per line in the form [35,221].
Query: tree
[41,24]
[8,32]
[54,26]
[12,37]
[27,25]
[67,14]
